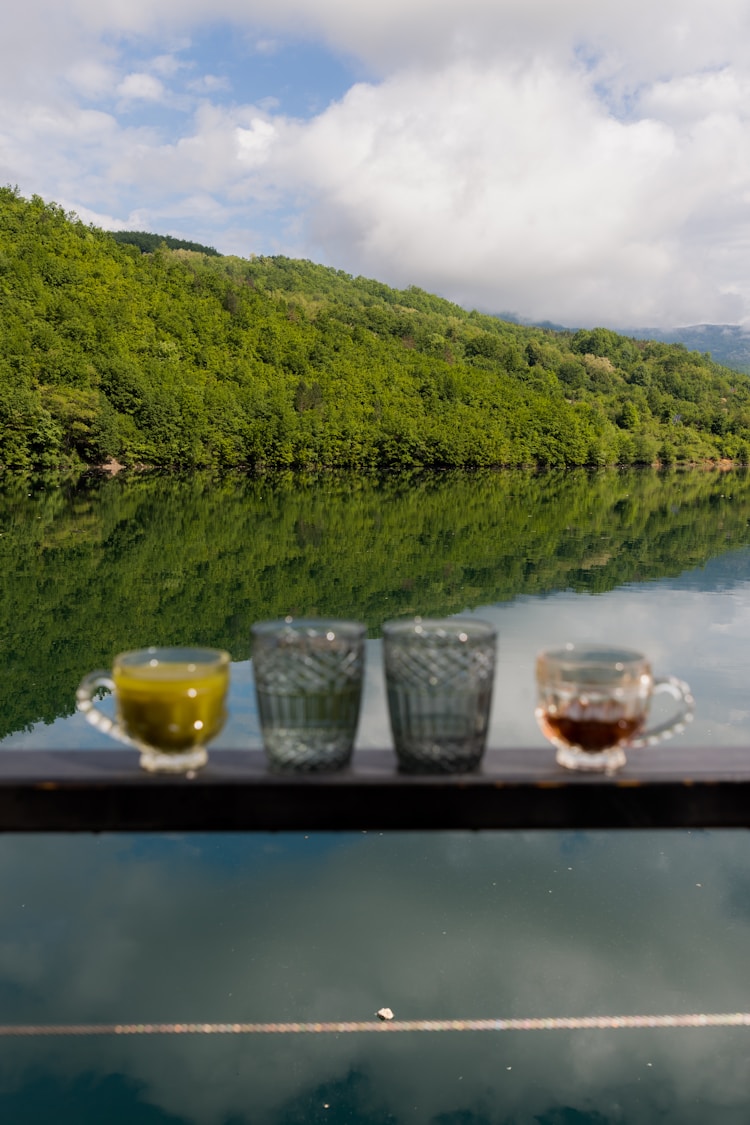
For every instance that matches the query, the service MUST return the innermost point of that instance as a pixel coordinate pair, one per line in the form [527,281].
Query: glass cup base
[599,761]
[307,750]
[425,756]
[179,761]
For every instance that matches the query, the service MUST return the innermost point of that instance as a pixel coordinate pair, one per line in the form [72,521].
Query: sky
[580,161]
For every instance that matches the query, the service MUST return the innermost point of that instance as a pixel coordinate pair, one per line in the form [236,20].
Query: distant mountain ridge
[728,344]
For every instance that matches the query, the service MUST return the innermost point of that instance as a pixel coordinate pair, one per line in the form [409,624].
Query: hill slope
[180,358]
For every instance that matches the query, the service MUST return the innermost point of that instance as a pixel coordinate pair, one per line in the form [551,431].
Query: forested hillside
[182,358]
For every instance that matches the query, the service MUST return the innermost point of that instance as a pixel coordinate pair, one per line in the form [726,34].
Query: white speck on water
[699,884]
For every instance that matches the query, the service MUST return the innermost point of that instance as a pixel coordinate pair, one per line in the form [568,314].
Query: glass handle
[87,688]
[679,690]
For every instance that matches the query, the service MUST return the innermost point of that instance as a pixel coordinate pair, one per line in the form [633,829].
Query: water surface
[456,925]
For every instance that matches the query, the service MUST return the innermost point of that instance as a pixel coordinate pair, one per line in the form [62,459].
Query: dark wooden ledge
[668,787]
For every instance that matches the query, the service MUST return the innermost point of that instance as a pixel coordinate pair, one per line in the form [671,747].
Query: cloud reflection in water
[142,929]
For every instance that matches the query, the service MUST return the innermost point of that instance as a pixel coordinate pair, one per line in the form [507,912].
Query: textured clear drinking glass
[439,674]
[308,681]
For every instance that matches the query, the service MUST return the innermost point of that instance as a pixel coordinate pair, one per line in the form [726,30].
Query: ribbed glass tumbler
[308,681]
[439,675]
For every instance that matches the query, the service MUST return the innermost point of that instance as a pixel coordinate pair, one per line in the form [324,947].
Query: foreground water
[445,926]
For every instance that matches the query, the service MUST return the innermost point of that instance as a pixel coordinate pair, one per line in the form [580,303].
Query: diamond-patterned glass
[439,677]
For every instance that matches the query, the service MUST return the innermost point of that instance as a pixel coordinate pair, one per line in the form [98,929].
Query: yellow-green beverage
[170,704]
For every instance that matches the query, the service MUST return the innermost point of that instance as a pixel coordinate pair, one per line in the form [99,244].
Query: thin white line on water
[565,1023]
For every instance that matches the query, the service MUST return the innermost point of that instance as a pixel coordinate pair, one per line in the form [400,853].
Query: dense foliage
[92,568]
[180,358]
[147,242]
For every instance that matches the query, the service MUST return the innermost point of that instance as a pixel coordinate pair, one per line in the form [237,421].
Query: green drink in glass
[169,702]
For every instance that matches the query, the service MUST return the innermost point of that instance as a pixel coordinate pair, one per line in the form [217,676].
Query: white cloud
[699,96]
[167,65]
[209,84]
[96,218]
[517,190]
[496,186]
[266,46]
[578,161]
[254,144]
[141,86]
[92,78]
[640,36]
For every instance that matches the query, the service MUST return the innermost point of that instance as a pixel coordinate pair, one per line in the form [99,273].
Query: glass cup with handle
[593,703]
[169,702]
[308,682]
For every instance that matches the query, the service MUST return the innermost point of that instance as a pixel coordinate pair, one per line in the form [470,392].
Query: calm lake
[139,929]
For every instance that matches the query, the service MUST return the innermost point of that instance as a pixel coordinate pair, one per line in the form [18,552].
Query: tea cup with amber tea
[169,702]
[593,703]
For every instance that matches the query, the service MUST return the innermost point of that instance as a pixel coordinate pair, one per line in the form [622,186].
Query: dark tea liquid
[592,735]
